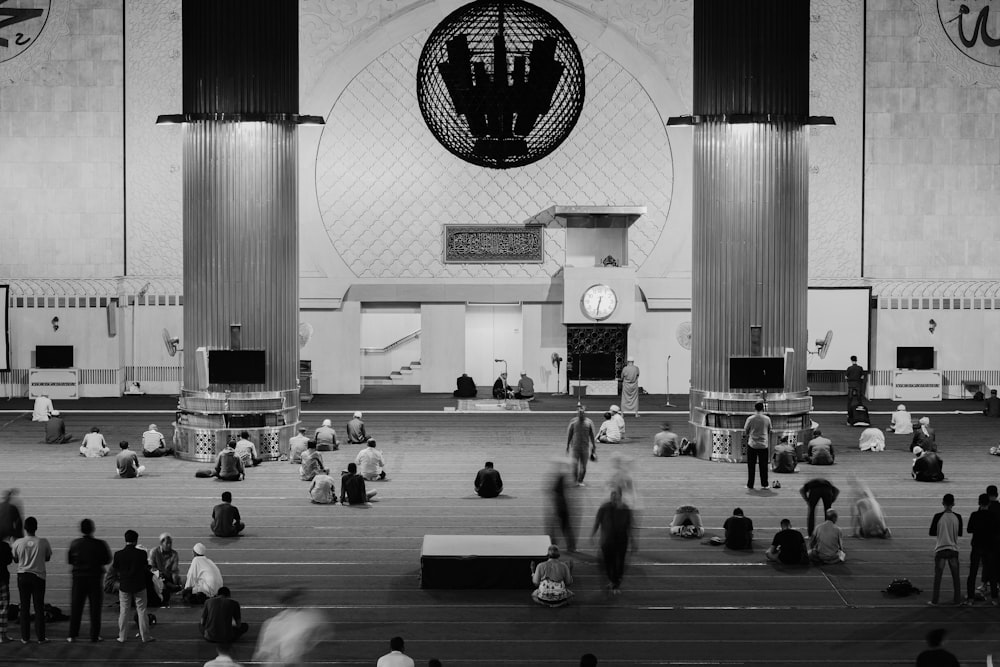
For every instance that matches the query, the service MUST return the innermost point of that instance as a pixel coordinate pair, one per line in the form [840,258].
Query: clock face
[599,302]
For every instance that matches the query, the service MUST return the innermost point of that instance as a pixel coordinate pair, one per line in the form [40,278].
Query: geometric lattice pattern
[609,339]
[724,447]
[270,445]
[385,186]
[204,444]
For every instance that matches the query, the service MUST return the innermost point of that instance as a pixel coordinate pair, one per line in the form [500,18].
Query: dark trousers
[947,557]
[235,632]
[31,588]
[756,457]
[614,560]
[816,495]
[561,515]
[985,557]
[89,589]
[580,458]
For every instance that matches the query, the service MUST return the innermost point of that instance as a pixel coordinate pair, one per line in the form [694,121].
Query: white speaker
[112,312]
[201,367]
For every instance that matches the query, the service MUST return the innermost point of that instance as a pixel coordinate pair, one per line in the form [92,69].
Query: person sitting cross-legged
[127,463]
[55,430]
[228,466]
[94,445]
[371,464]
[788,546]
[221,618]
[247,451]
[326,437]
[153,444]
[296,445]
[352,487]
[488,483]
[820,450]
[322,491]
[164,561]
[927,466]
[783,457]
[826,544]
[226,521]
[203,577]
[609,431]
[739,531]
[312,463]
[665,442]
[552,577]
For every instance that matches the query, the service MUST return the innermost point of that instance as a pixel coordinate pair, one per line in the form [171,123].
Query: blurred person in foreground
[287,637]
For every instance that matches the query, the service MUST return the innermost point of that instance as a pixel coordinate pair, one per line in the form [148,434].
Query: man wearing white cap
[326,437]
[902,422]
[203,577]
[55,430]
[925,436]
[525,388]
[927,466]
[356,434]
[630,387]
[616,415]
[153,444]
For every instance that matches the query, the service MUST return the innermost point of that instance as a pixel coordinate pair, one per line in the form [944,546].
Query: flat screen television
[236,366]
[592,366]
[756,372]
[915,358]
[53,356]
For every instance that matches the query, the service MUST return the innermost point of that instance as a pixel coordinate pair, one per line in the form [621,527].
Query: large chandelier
[500,83]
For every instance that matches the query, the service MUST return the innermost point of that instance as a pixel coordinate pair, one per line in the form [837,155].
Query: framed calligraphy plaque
[494,244]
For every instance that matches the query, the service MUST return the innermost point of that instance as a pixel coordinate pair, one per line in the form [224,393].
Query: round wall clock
[599,302]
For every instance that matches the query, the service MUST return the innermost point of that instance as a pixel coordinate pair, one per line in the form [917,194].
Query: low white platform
[492,405]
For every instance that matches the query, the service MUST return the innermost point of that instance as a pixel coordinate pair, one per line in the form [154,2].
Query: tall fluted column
[240,110]
[751,95]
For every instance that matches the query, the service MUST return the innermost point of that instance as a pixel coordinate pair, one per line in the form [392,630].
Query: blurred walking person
[581,443]
[614,521]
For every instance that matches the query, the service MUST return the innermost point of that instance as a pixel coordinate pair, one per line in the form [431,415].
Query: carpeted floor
[684,602]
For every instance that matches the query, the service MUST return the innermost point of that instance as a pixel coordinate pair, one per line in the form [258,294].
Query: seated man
[866,516]
[247,451]
[871,440]
[55,430]
[165,561]
[901,422]
[465,387]
[501,389]
[826,544]
[687,522]
[820,450]
[488,483]
[370,462]
[857,413]
[525,387]
[356,434]
[326,437]
[924,437]
[788,546]
[312,463]
[352,487]
[43,408]
[665,442]
[296,445]
[609,430]
[94,445]
[616,414]
[783,457]
[153,444]
[228,466]
[322,491]
[927,467]
[220,619]
[203,577]
[739,531]
[226,518]
[127,463]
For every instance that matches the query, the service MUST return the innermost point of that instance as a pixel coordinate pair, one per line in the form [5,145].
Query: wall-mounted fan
[684,335]
[823,344]
[305,333]
[172,343]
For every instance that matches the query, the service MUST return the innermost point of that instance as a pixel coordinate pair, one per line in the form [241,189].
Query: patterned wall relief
[836,153]
[153,153]
[385,186]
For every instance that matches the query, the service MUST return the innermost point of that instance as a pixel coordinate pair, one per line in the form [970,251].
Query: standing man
[812,492]
[991,406]
[947,528]
[630,387]
[614,521]
[31,554]
[855,376]
[88,556]
[488,483]
[758,431]
[132,566]
[226,518]
[11,513]
[581,439]
[6,558]
[984,528]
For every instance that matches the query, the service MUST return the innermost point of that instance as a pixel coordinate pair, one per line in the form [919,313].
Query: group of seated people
[612,429]
[525,389]
[368,465]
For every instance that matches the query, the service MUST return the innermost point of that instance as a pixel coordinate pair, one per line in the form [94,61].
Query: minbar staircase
[407,375]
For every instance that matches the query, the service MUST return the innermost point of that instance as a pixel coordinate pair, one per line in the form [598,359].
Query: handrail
[405,339]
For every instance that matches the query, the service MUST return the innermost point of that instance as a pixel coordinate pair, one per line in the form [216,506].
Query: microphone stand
[668,404]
